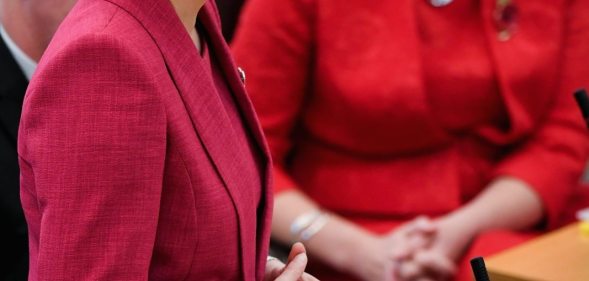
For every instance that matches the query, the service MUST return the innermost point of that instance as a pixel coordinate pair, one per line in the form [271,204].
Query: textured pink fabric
[130,167]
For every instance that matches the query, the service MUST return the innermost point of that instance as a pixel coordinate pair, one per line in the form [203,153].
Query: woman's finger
[405,247]
[295,250]
[421,224]
[435,262]
[409,270]
[418,242]
[425,279]
[273,269]
[308,277]
[294,270]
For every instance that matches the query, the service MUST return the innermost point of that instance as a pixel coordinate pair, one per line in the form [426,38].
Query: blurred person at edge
[377,112]
[140,155]
[26,27]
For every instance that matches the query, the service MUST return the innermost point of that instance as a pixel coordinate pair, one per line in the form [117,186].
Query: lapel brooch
[241,75]
[505,17]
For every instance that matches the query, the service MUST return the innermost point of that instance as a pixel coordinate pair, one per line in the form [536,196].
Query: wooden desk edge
[499,276]
[496,262]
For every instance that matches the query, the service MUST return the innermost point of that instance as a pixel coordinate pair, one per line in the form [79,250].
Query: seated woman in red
[377,112]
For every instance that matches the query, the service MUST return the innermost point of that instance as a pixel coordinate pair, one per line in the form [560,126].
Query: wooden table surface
[561,255]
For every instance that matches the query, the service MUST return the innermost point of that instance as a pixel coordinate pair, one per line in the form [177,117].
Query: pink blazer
[128,169]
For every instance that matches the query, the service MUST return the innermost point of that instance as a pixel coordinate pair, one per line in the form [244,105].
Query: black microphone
[583,102]
[479,269]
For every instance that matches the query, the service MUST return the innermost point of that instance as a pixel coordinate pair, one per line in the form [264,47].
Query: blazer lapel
[201,100]
[232,77]
[229,69]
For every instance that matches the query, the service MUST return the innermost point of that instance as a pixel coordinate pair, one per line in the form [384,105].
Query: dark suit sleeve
[92,154]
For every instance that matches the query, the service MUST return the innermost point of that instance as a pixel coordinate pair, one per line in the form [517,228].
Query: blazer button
[241,74]
[440,3]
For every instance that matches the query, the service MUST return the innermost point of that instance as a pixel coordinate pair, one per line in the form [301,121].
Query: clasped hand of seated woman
[425,249]
[430,255]
[421,249]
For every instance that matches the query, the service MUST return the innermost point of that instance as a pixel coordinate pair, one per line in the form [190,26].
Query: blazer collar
[205,108]
[211,22]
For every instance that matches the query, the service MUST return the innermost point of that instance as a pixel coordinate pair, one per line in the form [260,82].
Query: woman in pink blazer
[141,156]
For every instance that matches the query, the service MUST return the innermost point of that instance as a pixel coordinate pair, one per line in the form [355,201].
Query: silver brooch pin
[241,74]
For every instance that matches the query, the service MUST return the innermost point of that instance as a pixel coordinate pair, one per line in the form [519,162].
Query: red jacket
[343,92]
[130,167]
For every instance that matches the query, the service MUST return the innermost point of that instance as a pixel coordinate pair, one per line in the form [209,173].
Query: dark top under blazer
[13,240]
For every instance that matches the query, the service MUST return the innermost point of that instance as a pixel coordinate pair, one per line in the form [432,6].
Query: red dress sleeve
[278,75]
[554,157]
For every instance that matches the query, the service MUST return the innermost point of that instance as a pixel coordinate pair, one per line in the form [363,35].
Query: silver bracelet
[315,227]
[303,221]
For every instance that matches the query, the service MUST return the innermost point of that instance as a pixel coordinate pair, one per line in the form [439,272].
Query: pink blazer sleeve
[554,157]
[92,155]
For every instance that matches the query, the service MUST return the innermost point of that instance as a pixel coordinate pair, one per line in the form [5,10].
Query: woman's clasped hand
[422,249]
